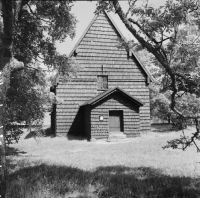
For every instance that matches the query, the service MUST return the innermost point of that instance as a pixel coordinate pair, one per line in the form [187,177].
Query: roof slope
[109,92]
[121,35]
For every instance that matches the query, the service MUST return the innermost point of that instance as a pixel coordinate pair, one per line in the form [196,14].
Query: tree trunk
[7,40]
[2,154]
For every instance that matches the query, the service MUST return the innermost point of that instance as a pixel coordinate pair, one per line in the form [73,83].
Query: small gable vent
[129,54]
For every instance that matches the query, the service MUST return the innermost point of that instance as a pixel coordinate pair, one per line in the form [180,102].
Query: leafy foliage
[25,101]
[29,30]
[160,107]
[38,25]
[159,102]
[151,64]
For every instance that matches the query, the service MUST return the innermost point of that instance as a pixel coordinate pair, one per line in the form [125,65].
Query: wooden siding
[116,101]
[100,46]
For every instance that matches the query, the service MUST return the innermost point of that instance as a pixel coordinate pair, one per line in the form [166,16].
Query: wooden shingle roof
[108,93]
[121,35]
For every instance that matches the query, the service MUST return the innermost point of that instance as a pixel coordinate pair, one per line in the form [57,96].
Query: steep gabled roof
[108,93]
[120,33]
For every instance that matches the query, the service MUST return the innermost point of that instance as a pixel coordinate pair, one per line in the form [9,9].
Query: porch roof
[109,92]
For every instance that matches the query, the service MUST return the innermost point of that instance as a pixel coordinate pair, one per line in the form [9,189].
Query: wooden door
[115,121]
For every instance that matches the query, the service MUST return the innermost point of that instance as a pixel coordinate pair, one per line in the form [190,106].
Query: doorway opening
[116,121]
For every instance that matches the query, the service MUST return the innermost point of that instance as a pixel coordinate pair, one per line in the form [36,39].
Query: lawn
[136,167]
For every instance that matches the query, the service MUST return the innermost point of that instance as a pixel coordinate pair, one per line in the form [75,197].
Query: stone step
[115,137]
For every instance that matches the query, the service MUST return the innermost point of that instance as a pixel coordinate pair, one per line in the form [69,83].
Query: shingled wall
[99,54]
[116,101]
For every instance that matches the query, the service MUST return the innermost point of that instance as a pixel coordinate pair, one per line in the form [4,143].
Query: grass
[60,181]
[140,168]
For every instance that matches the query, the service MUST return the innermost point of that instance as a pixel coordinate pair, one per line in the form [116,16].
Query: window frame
[101,83]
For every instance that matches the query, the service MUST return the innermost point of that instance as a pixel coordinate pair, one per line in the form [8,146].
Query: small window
[102,82]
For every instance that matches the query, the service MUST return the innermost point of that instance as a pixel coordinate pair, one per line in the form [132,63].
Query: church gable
[101,40]
[102,32]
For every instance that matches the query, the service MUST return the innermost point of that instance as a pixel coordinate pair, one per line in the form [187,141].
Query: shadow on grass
[40,133]
[162,128]
[10,151]
[116,181]
[49,133]
[31,134]
[12,164]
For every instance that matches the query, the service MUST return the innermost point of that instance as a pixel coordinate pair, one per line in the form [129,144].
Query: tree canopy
[29,30]
[25,102]
[30,38]
[35,27]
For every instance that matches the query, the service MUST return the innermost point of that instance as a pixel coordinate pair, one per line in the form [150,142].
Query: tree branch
[37,15]
[145,32]
[131,4]
[144,43]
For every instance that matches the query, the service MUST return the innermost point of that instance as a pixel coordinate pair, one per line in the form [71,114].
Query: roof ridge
[108,92]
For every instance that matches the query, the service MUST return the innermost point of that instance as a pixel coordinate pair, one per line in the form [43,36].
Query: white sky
[84,13]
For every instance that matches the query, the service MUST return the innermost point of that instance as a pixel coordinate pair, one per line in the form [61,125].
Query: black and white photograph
[99,98]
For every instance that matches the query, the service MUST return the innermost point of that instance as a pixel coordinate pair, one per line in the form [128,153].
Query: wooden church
[110,94]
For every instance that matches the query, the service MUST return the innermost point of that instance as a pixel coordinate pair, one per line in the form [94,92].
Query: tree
[35,27]
[160,31]
[25,100]
[28,32]
[159,102]
[159,105]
